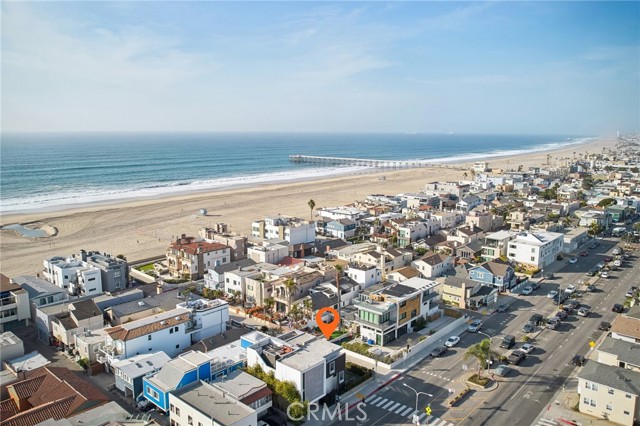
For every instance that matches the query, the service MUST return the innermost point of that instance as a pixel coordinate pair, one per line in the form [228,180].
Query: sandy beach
[143,228]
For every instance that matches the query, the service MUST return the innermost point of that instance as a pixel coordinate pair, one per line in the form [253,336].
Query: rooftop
[28,362]
[36,286]
[140,365]
[8,339]
[310,354]
[240,384]
[220,406]
[7,285]
[618,378]
[626,352]
[626,326]
[141,327]
[164,301]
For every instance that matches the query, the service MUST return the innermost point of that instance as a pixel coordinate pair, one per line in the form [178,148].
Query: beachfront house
[77,277]
[214,279]
[219,234]
[190,258]
[294,230]
[14,305]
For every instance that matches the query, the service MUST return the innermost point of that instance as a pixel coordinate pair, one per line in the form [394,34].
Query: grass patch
[478,380]
[355,375]
[146,268]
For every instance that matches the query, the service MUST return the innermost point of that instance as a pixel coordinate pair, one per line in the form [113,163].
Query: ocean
[48,171]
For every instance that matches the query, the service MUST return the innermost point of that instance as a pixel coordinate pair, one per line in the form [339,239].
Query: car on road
[552,294]
[527,348]
[578,360]
[502,308]
[535,319]
[573,260]
[584,312]
[475,326]
[553,323]
[604,274]
[528,328]
[516,357]
[584,253]
[604,326]
[571,289]
[452,341]
[436,352]
[502,370]
[549,276]
[592,272]
[527,290]
[608,258]
[617,308]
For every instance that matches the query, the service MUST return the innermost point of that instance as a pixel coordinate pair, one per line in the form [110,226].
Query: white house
[433,264]
[268,253]
[14,304]
[294,230]
[77,277]
[365,275]
[535,249]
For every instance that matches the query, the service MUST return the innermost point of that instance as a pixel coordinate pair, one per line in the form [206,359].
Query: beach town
[455,287]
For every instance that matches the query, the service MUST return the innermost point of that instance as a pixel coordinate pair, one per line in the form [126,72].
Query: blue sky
[467,67]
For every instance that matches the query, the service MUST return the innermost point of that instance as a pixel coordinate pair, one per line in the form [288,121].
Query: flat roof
[214,403]
[310,355]
[140,365]
[240,384]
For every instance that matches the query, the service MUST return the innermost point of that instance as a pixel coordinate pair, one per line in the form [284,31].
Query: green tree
[421,251]
[121,256]
[483,353]
[308,307]
[291,286]
[312,205]
[606,202]
[587,182]
[269,303]
[595,228]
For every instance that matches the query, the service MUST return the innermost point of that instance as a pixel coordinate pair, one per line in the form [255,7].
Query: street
[526,391]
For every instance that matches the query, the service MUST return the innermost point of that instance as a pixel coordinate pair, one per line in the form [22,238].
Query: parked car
[535,319]
[475,326]
[516,357]
[528,328]
[591,288]
[629,293]
[604,274]
[452,341]
[600,265]
[552,294]
[562,313]
[584,253]
[584,312]
[527,348]
[144,405]
[578,360]
[608,258]
[617,308]
[502,370]
[436,352]
[573,260]
[508,341]
[617,251]
[549,276]
[591,273]
[553,323]
[604,326]
[527,290]
[617,263]
[571,289]
[573,303]
[502,308]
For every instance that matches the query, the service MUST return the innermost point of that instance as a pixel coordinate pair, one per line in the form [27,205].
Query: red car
[584,253]
[608,258]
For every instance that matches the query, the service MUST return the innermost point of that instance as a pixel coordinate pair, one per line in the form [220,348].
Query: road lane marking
[394,406]
[379,403]
[407,411]
[388,405]
[525,384]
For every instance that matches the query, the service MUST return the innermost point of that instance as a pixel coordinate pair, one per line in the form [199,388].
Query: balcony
[379,326]
[8,301]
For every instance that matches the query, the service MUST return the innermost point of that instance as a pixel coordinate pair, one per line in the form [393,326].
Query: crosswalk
[405,411]
[546,422]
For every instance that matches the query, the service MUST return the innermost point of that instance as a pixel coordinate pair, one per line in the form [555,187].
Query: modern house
[294,230]
[458,291]
[79,317]
[573,239]
[14,305]
[365,275]
[219,234]
[536,250]
[392,311]
[495,244]
[77,277]
[341,228]
[114,271]
[314,365]
[268,252]
[11,346]
[190,257]
[214,278]
[130,372]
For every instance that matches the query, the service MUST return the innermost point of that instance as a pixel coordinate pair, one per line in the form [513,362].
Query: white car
[527,348]
[452,341]
[573,260]
[527,290]
[617,263]
[604,274]
[583,312]
[552,294]
[571,289]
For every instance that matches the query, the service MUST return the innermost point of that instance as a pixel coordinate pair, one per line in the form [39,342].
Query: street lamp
[417,394]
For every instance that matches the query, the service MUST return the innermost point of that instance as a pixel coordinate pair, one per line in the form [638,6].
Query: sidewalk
[380,380]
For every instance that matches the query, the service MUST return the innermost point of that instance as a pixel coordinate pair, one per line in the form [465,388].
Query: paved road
[521,397]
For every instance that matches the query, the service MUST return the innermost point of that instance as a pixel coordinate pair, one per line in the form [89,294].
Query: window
[611,391]
[171,331]
[92,279]
[332,367]
[150,349]
[533,259]
[403,303]
[626,413]
[414,313]
[591,386]
[177,411]
[341,377]
[172,407]
[403,316]
[178,346]
[480,274]
[149,337]
[628,396]
[609,407]
[190,420]
[152,392]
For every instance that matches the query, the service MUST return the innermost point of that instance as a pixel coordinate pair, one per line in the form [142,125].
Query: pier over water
[387,164]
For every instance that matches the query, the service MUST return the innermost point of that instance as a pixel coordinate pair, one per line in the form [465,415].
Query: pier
[386,164]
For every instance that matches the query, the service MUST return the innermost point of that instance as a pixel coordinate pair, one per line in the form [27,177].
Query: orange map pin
[327,328]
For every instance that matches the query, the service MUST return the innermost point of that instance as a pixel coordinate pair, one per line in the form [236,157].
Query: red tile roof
[53,410]
[191,247]
[8,408]
[26,388]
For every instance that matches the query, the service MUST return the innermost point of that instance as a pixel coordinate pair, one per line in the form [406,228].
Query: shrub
[526,338]
[478,380]
[420,324]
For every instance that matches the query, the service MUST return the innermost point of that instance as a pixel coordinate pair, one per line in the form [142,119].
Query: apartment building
[215,277]
[392,311]
[294,230]
[535,249]
[268,252]
[114,272]
[496,244]
[14,305]
[220,234]
[189,257]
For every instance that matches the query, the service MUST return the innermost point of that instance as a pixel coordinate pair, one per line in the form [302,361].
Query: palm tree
[483,353]
[291,287]
[269,302]
[308,307]
[339,269]
[312,205]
